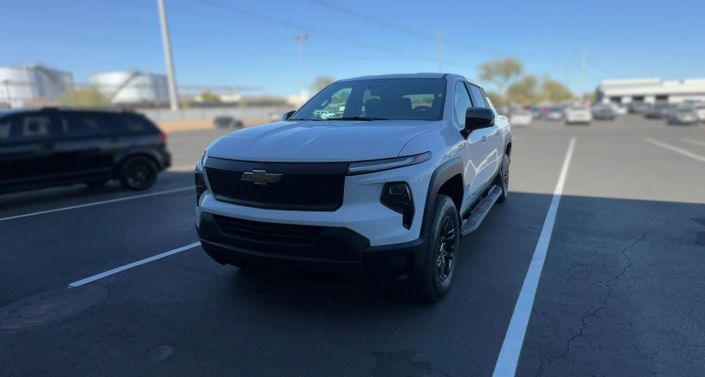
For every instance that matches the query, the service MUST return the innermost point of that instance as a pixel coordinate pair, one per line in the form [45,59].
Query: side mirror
[477,118]
[288,114]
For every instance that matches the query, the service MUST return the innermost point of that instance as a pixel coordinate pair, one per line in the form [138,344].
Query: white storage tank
[34,85]
[132,87]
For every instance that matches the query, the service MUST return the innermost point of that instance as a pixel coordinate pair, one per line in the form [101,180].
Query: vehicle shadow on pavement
[79,193]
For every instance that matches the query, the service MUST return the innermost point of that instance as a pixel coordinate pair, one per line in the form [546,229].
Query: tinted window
[133,123]
[86,123]
[26,128]
[398,98]
[460,104]
[478,97]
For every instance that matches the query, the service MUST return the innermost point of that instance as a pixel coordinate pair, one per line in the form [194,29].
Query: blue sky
[251,43]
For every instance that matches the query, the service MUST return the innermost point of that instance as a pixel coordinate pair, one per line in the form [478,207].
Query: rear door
[90,141]
[27,146]
[490,138]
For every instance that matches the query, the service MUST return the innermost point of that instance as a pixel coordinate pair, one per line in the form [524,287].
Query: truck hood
[320,140]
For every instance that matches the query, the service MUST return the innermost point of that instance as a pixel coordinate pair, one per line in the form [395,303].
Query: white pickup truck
[414,162]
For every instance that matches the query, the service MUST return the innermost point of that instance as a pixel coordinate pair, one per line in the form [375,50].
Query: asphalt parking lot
[621,292]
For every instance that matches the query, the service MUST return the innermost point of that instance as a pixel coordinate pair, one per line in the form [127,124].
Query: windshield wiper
[357,118]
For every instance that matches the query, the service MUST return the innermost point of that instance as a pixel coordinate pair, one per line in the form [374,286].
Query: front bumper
[333,249]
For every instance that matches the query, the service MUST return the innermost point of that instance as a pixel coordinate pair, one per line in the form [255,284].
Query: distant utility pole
[301,38]
[439,50]
[168,59]
[583,63]
[7,92]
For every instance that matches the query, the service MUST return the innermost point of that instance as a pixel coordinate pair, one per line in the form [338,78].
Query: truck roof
[420,75]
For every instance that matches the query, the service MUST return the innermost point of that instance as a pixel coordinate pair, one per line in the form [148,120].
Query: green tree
[209,97]
[496,99]
[524,91]
[555,91]
[501,72]
[88,96]
[321,82]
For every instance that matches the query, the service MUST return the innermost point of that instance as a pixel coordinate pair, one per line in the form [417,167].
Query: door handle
[484,138]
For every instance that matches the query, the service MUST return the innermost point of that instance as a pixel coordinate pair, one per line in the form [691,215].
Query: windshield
[377,99]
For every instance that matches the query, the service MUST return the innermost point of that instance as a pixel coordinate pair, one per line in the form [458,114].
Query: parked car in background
[683,116]
[554,113]
[227,121]
[637,107]
[618,108]
[700,110]
[603,112]
[55,147]
[520,117]
[537,112]
[578,114]
[659,110]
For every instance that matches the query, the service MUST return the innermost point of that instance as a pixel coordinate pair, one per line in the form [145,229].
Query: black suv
[53,147]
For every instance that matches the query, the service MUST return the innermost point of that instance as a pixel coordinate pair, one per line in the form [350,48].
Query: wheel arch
[146,152]
[447,179]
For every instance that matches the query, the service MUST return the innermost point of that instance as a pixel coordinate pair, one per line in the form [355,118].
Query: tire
[433,270]
[138,173]
[502,179]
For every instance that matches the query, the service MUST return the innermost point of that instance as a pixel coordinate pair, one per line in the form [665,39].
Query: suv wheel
[502,179]
[138,173]
[433,271]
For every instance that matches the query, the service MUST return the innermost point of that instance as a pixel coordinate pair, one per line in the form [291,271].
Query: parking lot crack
[603,303]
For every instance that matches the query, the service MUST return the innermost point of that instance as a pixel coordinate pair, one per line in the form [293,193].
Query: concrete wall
[166,115]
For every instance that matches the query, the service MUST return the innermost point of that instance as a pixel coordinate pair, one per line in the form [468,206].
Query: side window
[478,96]
[85,123]
[32,127]
[460,104]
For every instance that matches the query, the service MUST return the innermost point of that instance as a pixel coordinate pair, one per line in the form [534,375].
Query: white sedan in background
[520,118]
[578,114]
[700,110]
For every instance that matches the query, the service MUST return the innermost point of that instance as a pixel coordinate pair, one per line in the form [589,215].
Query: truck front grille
[293,186]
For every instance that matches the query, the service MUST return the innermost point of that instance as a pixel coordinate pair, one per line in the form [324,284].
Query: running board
[478,214]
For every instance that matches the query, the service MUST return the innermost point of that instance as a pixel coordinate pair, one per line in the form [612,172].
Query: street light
[166,42]
[302,71]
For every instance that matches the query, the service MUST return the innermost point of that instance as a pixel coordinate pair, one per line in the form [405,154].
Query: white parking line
[128,266]
[91,204]
[693,141]
[514,338]
[673,148]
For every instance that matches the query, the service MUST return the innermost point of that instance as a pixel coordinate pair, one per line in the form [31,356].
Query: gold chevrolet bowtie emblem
[261,177]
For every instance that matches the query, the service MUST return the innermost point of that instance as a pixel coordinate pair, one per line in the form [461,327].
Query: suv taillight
[162,136]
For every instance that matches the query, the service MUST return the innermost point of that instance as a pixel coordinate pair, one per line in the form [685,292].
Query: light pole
[302,71]
[168,59]
[7,92]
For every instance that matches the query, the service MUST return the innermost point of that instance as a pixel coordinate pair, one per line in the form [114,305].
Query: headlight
[397,197]
[365,167]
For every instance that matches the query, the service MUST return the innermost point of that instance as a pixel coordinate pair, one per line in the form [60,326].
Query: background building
[651,90]
[34,85]
[132,87]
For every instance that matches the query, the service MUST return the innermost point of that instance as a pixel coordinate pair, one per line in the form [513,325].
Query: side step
[478,214]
